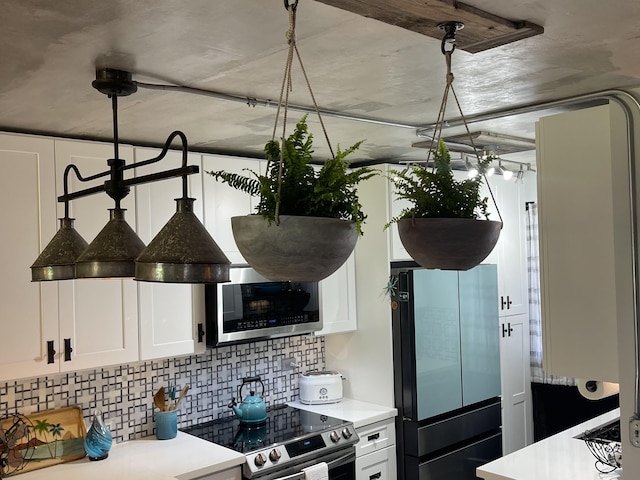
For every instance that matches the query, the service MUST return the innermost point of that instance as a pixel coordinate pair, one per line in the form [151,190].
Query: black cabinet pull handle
[200,333]
[510,329]
[375,475]
[509,302]
[67,349]
[50,351]
[375,436]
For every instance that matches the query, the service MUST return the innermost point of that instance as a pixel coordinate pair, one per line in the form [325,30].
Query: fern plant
[327,192]
[435,193]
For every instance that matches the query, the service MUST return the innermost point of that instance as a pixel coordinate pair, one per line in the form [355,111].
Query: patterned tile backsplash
[124,393]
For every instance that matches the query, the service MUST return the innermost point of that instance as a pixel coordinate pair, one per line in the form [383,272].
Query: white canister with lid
[320,387]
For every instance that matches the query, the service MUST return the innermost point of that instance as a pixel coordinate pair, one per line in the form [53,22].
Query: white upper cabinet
[510,253]
[221,202]
[171,315]
[28,311]
[338,300]
[581,232]
[98,318]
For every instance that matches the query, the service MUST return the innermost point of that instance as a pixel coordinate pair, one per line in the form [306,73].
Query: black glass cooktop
[283,424]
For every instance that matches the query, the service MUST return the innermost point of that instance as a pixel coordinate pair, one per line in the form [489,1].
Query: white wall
[365,356]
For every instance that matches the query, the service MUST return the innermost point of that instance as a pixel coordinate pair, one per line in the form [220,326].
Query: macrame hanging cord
[449,38]
[287,86]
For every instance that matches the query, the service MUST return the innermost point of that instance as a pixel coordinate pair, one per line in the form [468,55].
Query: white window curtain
[535,315]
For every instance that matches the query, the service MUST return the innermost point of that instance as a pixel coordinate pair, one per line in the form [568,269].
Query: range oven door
[342,466]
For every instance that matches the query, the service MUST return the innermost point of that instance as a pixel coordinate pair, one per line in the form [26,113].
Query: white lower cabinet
[517,411]
[376,451]
[231,474]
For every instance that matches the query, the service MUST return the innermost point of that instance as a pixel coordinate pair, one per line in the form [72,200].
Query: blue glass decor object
[98,441]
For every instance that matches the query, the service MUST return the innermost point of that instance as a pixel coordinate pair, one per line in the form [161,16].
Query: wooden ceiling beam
[482,30]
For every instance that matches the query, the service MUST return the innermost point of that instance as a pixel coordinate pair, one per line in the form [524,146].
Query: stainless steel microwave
[250,308]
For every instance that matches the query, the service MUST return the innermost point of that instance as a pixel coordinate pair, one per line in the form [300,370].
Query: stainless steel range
[288,441]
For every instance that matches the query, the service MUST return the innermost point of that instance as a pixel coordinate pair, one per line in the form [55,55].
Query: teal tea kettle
[252,409]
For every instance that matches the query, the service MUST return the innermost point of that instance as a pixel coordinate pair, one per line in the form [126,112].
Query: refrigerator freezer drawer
[421,440]
[459,464]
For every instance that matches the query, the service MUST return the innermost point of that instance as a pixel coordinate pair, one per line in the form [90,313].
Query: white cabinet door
[169,313]
[517,416]
[338,300]
[221,202]
[577,224]
[99,318]
[376,451]
[379,465]
[396,249]
[510,252]
[231,474]
[28,311]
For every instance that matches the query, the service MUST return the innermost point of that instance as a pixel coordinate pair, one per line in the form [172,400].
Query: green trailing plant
[326,192]
[435,193]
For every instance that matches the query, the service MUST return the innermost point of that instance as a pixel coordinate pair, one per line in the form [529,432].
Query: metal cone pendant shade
[57,261]
[183,252]
[113,252]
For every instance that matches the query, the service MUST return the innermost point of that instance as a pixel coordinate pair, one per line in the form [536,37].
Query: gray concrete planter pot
[448,243]
[300,249]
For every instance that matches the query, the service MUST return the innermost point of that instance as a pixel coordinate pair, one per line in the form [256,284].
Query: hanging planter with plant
[308,220]
[447,225]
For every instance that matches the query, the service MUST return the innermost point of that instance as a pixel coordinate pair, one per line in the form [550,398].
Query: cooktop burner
[289,440]
[284,423]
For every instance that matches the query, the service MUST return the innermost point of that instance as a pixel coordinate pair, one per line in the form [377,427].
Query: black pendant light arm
[67,197]
[183,171]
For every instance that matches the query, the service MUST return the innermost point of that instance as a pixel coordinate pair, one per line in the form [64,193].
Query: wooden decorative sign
[40,440]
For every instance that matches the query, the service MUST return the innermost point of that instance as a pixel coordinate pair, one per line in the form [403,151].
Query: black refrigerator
[446,355]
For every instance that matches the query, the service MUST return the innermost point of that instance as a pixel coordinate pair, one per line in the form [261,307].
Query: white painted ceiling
[358,66]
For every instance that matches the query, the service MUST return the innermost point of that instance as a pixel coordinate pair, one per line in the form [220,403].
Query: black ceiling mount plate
[114,82]
[451,27]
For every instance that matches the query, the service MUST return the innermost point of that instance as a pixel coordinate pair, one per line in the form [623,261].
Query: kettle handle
[247,380]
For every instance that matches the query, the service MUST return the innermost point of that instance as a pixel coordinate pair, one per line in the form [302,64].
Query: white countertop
[360,413]
[560,456]
[185,457]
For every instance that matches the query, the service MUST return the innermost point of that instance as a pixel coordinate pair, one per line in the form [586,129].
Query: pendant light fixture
[57,260]
[183,251]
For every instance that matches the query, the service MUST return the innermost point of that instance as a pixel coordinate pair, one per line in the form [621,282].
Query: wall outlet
[634,432]
[289,363]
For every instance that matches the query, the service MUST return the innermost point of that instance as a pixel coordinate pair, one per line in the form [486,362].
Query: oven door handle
[333,463]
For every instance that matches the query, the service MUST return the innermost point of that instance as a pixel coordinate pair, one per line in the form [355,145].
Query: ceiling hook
[450,29]
[293,5]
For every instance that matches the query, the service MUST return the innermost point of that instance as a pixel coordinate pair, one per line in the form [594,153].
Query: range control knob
[346,433]
[260,460]
[334,436]
[274,455]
